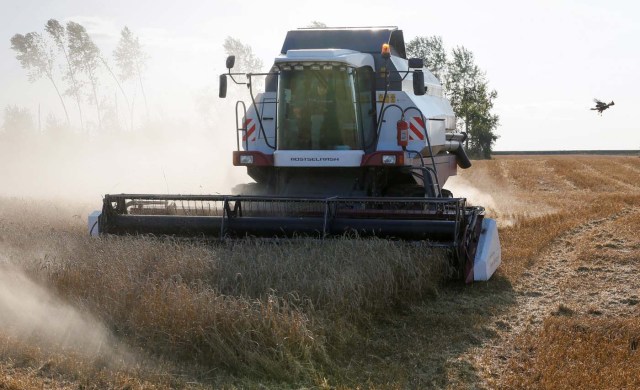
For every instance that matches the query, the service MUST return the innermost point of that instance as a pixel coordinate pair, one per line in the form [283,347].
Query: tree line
[69,59]
[467,88]
[465,85]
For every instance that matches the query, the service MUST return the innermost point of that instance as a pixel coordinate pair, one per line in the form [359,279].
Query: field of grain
[563,311]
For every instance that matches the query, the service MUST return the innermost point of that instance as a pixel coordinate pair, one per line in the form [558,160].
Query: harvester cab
[348,135]
[348,99]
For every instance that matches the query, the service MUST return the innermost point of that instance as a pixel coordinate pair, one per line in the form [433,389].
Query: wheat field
[142,313]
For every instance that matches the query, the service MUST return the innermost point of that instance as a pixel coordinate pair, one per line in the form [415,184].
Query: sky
[547,60]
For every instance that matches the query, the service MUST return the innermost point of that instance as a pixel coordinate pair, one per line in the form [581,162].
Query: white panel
[266,106]
[431,107]
[318,158]
[94,229]
[488,254]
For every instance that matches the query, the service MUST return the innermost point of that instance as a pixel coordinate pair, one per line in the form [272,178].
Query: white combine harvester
[348,136]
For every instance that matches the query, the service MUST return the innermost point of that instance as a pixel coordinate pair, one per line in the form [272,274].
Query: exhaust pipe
[460,137]
[455,147]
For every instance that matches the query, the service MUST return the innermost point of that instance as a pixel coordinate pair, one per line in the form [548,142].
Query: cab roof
[361,39]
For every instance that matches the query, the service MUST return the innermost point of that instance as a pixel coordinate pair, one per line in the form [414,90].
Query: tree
[105,63]
[480,122]
[54,129]
[38,59]
[59,35]
[472,101]
[85,55]
[466,87]
[18,122]
[131,61]
[207,103]
[246,61]
[431,50]
[317,24]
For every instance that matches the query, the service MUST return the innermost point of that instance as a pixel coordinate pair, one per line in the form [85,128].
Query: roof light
[327,67]
[286,67]
[315,67]
[298,67]
[386,50]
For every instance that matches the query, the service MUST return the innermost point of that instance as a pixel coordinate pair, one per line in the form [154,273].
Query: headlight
[246,159]
[389,159]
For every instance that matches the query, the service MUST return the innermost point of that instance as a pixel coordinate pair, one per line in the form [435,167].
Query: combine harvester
[349,136]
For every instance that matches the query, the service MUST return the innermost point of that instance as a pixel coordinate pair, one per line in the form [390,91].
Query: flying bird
[601,106]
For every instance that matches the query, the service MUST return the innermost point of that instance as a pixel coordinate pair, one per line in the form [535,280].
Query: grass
[335,314]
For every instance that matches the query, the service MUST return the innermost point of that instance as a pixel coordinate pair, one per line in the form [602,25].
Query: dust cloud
[30,313]
[460,187]
[182,147]
[503,202]
[88,167]
[499,204]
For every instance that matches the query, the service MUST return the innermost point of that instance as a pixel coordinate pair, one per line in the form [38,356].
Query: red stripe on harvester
[416,131]
[249,131]
[419,121]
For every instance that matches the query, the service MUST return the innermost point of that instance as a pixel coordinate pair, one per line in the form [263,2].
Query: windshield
[317,109]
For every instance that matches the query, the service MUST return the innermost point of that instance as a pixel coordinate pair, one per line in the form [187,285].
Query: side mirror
[416,63]
[418,83]
[223,86]
[231,61]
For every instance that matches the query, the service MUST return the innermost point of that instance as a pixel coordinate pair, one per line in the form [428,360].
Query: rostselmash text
[315,159]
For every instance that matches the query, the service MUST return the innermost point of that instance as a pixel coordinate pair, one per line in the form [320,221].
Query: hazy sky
[546,59]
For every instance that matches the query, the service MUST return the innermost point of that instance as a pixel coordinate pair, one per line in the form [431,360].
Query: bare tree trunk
[75,87]
[144,95]
[95,96]
[64,106]
[79,110]
[133,103]
[126,100]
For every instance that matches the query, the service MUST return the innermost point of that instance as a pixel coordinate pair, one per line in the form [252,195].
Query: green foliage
[471,99]
[37,54]
[467,89]
[33,54]
[59,36]
[431,50]
[85,55]
[83,52]
[37,58]
[246,61]
[317,24]
[131,61]
[54,128]
[129,56]
[18,122]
